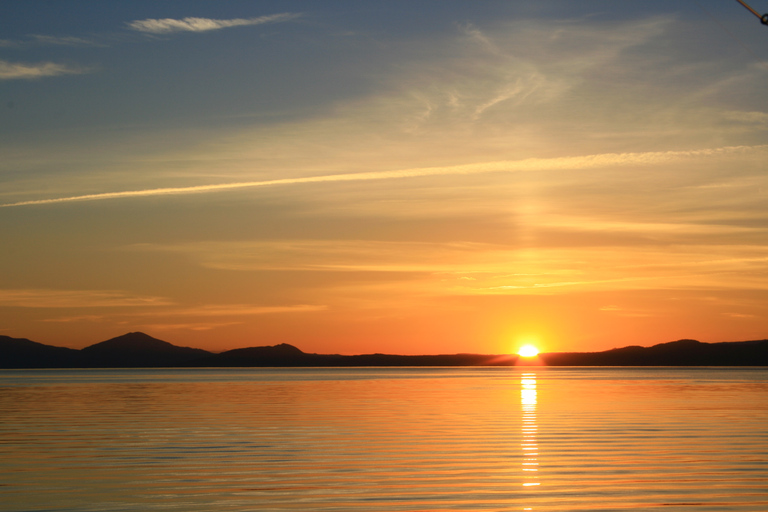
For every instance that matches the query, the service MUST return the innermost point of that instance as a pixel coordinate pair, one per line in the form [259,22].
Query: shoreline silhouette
[139,350]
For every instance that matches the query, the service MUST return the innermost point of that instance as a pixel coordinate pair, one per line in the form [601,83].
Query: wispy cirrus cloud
[169,25]
[44,40]
[62,40]
[72,319]
[206,317]
[196,326]
[44,298]
[216,310]
[527,165]
[22,71]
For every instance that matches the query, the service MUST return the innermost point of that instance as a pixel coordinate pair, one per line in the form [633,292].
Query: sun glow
[528,351]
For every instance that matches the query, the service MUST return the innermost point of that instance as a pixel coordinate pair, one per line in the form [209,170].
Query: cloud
[19,71]
[739,315]
[207,316]
[42,298]
[62,41]
[527,165]
[240,310]
[558,284]
[420,269]
[621,312]
[480,260]
[169,25]
[43,40]
[72,319]
[754,117]
[198,326]
[337,255]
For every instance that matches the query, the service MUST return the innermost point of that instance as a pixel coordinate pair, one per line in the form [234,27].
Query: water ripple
[464,439]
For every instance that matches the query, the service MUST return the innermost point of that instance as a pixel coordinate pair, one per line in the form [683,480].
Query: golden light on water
[529,429]
[528,351]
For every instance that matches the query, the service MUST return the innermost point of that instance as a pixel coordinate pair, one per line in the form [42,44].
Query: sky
[415,177]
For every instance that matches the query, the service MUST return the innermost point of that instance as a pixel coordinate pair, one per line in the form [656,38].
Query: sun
[528,351]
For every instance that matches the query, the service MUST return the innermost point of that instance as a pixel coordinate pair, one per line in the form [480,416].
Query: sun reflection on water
[529,429]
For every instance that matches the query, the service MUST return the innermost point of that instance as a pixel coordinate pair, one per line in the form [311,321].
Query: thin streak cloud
[62,41]
[34,40]
[238,310]
[37,298]
[20,71]
[169,25]
[530,164]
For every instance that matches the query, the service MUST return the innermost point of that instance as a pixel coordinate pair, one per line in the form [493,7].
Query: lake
[385,439]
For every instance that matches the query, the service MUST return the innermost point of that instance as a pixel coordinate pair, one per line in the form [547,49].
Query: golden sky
[404,177]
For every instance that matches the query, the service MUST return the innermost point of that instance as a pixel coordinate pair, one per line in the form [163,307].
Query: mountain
[139,350]
[23,353]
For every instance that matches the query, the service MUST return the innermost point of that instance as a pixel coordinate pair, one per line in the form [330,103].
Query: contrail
[530,164]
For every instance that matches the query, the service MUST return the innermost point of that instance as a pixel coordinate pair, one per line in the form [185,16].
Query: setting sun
[528,351]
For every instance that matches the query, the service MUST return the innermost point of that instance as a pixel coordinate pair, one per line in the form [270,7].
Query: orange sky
[385,181]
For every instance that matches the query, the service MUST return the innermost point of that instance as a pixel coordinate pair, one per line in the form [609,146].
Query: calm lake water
[400,439]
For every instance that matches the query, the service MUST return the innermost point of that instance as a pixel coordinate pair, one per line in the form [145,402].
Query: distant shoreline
[139,350]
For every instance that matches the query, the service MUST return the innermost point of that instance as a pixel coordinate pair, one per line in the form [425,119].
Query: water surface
[391,439]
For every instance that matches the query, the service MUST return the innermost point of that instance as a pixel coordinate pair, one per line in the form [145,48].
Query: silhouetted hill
[288,355]
[139,350]
[136,350]
[276,355]
[675,353]
[23,353]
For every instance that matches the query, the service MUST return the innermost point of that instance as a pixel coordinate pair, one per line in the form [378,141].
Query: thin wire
[750,9]
[763,18]
[732,35]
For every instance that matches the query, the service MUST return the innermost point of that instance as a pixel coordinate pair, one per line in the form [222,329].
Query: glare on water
[528,400]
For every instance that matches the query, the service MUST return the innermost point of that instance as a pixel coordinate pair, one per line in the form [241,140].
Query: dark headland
[139,350]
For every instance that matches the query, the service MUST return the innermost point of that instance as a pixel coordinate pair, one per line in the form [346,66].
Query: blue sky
[383,176]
